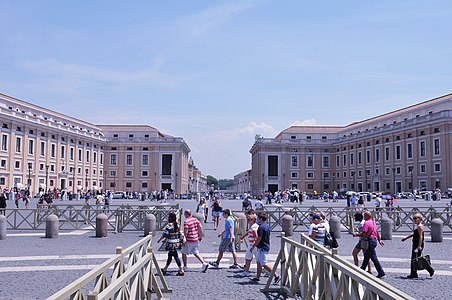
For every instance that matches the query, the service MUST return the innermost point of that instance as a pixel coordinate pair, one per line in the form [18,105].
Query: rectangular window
[88,155]
[113,159]
[18,144]
[368,156]
[294,160]
[409,151]
[3,163]
[145,160]
[71,153]
[129,159]
[4,142]
[310,161]
[437,167]
[272,165]
[377,155]
[63,152]
[398,152]
[101,158]
[17,164]
[129,173]
[294,175]
[352,159]
[95,157]
[337,160]
[360,157]
[310,175]
[144,185]
[436,147]
[80,155]
[326,162]
[423,168]
[31,146]
[387,156]
[167,164]
[43,149]
[128,185]
[52,150]
[144,173]
[422,148]
[344,162]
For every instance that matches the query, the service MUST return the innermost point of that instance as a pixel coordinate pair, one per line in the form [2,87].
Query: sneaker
[255,279]
[411,276]
[163,271]
[244,274]
[180,273]
[381,275]
[277,279]
[204,267]
[186,269]
[214,264]
[234,266]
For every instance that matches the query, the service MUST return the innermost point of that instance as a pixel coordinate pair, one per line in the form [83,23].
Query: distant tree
[225,183]
[212,180]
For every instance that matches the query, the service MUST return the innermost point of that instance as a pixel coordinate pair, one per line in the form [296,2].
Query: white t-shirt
[258,205]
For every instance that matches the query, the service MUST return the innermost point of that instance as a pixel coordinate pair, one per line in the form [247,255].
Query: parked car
[119,195]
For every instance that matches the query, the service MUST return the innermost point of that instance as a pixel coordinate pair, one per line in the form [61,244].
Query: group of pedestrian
[188,242]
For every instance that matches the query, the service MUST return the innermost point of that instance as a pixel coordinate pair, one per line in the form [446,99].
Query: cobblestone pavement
[33,267]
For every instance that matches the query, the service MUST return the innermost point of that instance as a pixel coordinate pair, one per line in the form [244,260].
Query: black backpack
[246,202]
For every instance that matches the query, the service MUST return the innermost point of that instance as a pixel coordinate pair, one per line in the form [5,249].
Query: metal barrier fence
[76,217]
[127,275]
[310,271]
[402,217]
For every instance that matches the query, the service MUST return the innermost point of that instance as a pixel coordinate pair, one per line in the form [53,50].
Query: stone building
[43,149]
[403,150]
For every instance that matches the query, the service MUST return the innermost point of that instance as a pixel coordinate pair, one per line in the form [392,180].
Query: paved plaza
[33,267]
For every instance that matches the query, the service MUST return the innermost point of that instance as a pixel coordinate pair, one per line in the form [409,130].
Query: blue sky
[219,72]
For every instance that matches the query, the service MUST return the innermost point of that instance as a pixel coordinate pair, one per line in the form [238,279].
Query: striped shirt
[191,229]
[252,233]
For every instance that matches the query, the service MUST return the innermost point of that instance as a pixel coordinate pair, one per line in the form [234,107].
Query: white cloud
[306,122]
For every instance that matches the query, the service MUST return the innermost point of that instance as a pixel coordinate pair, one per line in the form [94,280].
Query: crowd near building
[42,149]
[405,150]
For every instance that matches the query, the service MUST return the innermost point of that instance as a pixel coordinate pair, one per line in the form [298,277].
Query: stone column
[287,225]
[52,226]
[101,225]
[437,230]
[335,227]
[3,224]
[386,229]
[149,224]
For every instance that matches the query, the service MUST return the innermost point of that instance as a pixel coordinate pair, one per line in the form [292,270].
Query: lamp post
[411,175]
[86,180]
[393,173]
[114,180]
[29,178]
[47,178]
[175,186]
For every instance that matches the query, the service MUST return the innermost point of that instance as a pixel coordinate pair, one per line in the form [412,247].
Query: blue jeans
[371,254]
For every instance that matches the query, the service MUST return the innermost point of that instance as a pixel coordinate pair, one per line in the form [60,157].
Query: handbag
[330,241]
[422,262]
[163,246]
[364,244]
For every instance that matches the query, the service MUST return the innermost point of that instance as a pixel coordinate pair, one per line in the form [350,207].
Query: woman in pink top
[370,232]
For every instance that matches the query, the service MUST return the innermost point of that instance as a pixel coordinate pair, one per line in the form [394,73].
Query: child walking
[174,240]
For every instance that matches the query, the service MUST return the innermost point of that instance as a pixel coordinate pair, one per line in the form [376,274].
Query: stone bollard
[241,219]
[52,226]
[3,225]
[149,224]
[437,230]
[386,229]
[335,226]
[101,225]
[200,218]
[287,225]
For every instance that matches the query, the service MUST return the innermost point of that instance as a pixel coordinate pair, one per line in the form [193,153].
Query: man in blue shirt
[227,240]
[263,247]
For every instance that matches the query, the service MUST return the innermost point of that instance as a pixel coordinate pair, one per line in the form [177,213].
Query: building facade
[399,151]
[42,149]
[242,182]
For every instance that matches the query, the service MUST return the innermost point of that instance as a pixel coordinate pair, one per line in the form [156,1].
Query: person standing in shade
[370,232]
[317,229]
[262,244]
[417,246]
[193,235]
[2,203]
[227,240]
